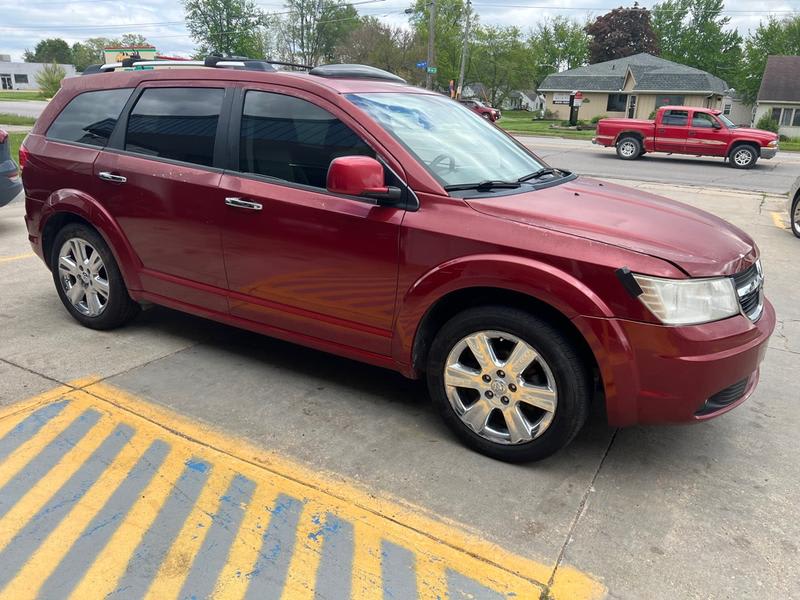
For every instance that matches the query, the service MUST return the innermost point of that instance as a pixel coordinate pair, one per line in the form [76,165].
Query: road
[699,511]
[773,176]
[23,108]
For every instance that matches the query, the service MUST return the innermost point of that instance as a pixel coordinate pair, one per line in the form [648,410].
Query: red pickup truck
[687,130]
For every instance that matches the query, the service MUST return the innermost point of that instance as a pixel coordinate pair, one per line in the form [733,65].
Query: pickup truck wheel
[629,148]
[794,218]
[743,157]
[88,280]
[509,384]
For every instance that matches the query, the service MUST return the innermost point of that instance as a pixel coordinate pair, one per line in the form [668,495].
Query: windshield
[456,145]
[726,121]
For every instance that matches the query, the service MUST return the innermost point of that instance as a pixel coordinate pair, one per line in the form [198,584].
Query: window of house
[176,123]
[20,78]
[703,120]
[796,120]
[776,114]
[726,108]
[668,100]
[292,139]
[89,118]
[617,102]
[786,118]
[675,117]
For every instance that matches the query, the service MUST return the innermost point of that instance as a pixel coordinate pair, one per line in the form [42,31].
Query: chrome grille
[750,290]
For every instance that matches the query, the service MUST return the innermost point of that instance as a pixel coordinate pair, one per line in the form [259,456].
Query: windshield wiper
[483,186]
[536,174]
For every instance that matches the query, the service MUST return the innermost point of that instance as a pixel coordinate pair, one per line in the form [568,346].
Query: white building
[22,75]
[779,95]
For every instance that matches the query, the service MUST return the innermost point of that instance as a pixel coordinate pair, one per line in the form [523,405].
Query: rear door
[671,131]
[703,137]
[299,258]
[159,178]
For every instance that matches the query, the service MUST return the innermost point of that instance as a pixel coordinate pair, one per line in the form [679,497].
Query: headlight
[688,301]
[773,143]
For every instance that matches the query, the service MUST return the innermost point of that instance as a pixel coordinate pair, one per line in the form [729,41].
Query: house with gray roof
[632,87]
[779,94]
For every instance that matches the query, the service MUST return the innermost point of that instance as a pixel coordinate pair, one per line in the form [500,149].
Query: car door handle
[692,133]
[106,176]
[241,203]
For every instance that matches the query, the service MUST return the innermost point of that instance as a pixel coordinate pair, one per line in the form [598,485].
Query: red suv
[341,209]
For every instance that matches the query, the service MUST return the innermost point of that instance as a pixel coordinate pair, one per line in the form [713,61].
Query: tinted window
[292,139]
[175,123]
[669,101]
[675,117]
[90,117]
[702,120]
[617,102]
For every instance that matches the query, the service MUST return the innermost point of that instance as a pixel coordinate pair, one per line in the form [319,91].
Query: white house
[22,75]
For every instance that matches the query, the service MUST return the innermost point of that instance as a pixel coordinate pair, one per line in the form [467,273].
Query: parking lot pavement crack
[582,507]
[37,373]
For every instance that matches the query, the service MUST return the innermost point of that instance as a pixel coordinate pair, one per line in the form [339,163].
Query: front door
[671,131]
[298,257]
[704,138]
[632,107]
[161,186]
[5,82]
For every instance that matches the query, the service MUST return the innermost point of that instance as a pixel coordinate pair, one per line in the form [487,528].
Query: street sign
[578,99]
[422,64]
[560,98]
[432,70]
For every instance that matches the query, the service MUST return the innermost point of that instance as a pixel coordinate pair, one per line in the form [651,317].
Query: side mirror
[716,125]
[361,176]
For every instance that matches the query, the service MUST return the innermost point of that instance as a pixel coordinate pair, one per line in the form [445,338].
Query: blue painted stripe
[398,572]
[30,537]
[213,554]
[94,538]
[335,573]
[29,427]
[19,485]
[268,576]
[461,587]
[157,541]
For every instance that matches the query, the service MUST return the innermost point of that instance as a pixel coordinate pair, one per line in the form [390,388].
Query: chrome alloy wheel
[796,218]
[742,157]
[500,387]
[627,148]
[83,277]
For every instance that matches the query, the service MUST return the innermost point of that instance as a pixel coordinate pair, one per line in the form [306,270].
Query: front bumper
[767,152]
[658,374]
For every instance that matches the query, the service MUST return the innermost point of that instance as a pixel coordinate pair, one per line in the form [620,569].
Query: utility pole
[464,52]
[431,33]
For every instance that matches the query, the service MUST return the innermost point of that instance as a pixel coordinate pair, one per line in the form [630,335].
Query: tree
[313,28]
[50,50]
[556,45]
[374,43]
[620,33]
[500,62]
[90,51]
[693,33]
[49,79]
[776,36]
[449,32]
[229,27]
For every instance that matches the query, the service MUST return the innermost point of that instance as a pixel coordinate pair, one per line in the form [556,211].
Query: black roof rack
[355,72]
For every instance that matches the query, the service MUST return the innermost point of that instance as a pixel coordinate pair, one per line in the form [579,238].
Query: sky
[22,25]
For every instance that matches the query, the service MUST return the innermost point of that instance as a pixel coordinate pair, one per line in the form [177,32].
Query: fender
[744,140]
[533,278]
[85,206]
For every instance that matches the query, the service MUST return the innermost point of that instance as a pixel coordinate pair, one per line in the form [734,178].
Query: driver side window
[702,120]
[292,139]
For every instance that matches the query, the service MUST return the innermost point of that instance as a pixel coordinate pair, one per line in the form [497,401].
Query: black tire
[794,215]
[629,147]
[572,379]
[119,308]
[743,157]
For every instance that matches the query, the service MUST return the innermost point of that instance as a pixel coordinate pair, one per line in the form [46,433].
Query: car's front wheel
[794,217]
[88,279]
[743,157]
[509,384]
[629,148]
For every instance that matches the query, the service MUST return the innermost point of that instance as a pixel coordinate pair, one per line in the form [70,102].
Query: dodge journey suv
[341,209]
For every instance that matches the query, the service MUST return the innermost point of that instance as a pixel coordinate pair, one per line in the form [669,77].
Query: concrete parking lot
[701,511]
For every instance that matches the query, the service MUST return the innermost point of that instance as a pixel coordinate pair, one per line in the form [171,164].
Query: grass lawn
[21,96]
[16,142]
[793,145]
[7,119]
[521,121]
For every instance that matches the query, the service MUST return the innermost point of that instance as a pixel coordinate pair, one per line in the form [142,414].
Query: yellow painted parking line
[777,219]
[5,259]
[105,495]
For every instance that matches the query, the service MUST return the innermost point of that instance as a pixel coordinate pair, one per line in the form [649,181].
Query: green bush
[767,123]
[49,79]
[596,119]
[652,115]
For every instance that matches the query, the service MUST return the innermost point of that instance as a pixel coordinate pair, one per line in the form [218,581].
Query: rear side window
[292,139]
[675,117]
[89,118]
[175,123]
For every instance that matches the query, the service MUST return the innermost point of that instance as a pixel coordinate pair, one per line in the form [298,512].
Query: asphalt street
[705,511]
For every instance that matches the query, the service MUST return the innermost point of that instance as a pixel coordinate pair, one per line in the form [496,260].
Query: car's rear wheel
[794,218]
[509,384]
[88,280]
[743,157]
[629,148]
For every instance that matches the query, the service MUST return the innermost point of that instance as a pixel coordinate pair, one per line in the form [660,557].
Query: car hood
[756,133]
[697,242]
